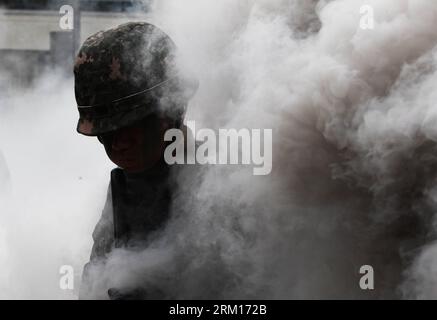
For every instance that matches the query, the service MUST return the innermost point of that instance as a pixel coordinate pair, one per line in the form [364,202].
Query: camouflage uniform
[122,75]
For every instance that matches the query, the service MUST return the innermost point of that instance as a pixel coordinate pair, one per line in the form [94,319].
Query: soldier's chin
[134,165]
[130,166]
[133,169]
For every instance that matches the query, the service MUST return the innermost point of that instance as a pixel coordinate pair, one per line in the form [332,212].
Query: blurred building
[32,40]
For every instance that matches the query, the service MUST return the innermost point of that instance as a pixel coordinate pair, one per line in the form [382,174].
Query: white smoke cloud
[58,182]
[354,162]
[351,184]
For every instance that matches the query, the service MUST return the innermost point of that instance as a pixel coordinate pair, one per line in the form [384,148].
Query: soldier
[128,94]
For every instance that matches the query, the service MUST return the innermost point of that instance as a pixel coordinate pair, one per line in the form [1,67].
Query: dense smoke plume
[354,160]
[54,194]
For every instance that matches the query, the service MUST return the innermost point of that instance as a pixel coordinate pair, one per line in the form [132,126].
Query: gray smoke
[354,154]
[354,159]
[56,189]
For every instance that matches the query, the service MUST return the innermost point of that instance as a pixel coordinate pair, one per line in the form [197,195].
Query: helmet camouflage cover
[124,74]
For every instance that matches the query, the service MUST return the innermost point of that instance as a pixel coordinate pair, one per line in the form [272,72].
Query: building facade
[32,39]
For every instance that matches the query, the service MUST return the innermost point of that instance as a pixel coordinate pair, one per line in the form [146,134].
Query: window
[87,5]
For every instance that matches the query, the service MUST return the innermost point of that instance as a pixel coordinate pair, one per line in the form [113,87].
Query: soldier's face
[138,147]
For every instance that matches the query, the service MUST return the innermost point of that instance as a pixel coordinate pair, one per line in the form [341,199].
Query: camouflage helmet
[124,74]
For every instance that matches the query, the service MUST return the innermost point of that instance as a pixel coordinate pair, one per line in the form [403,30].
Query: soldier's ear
[164,126]
[165,123]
